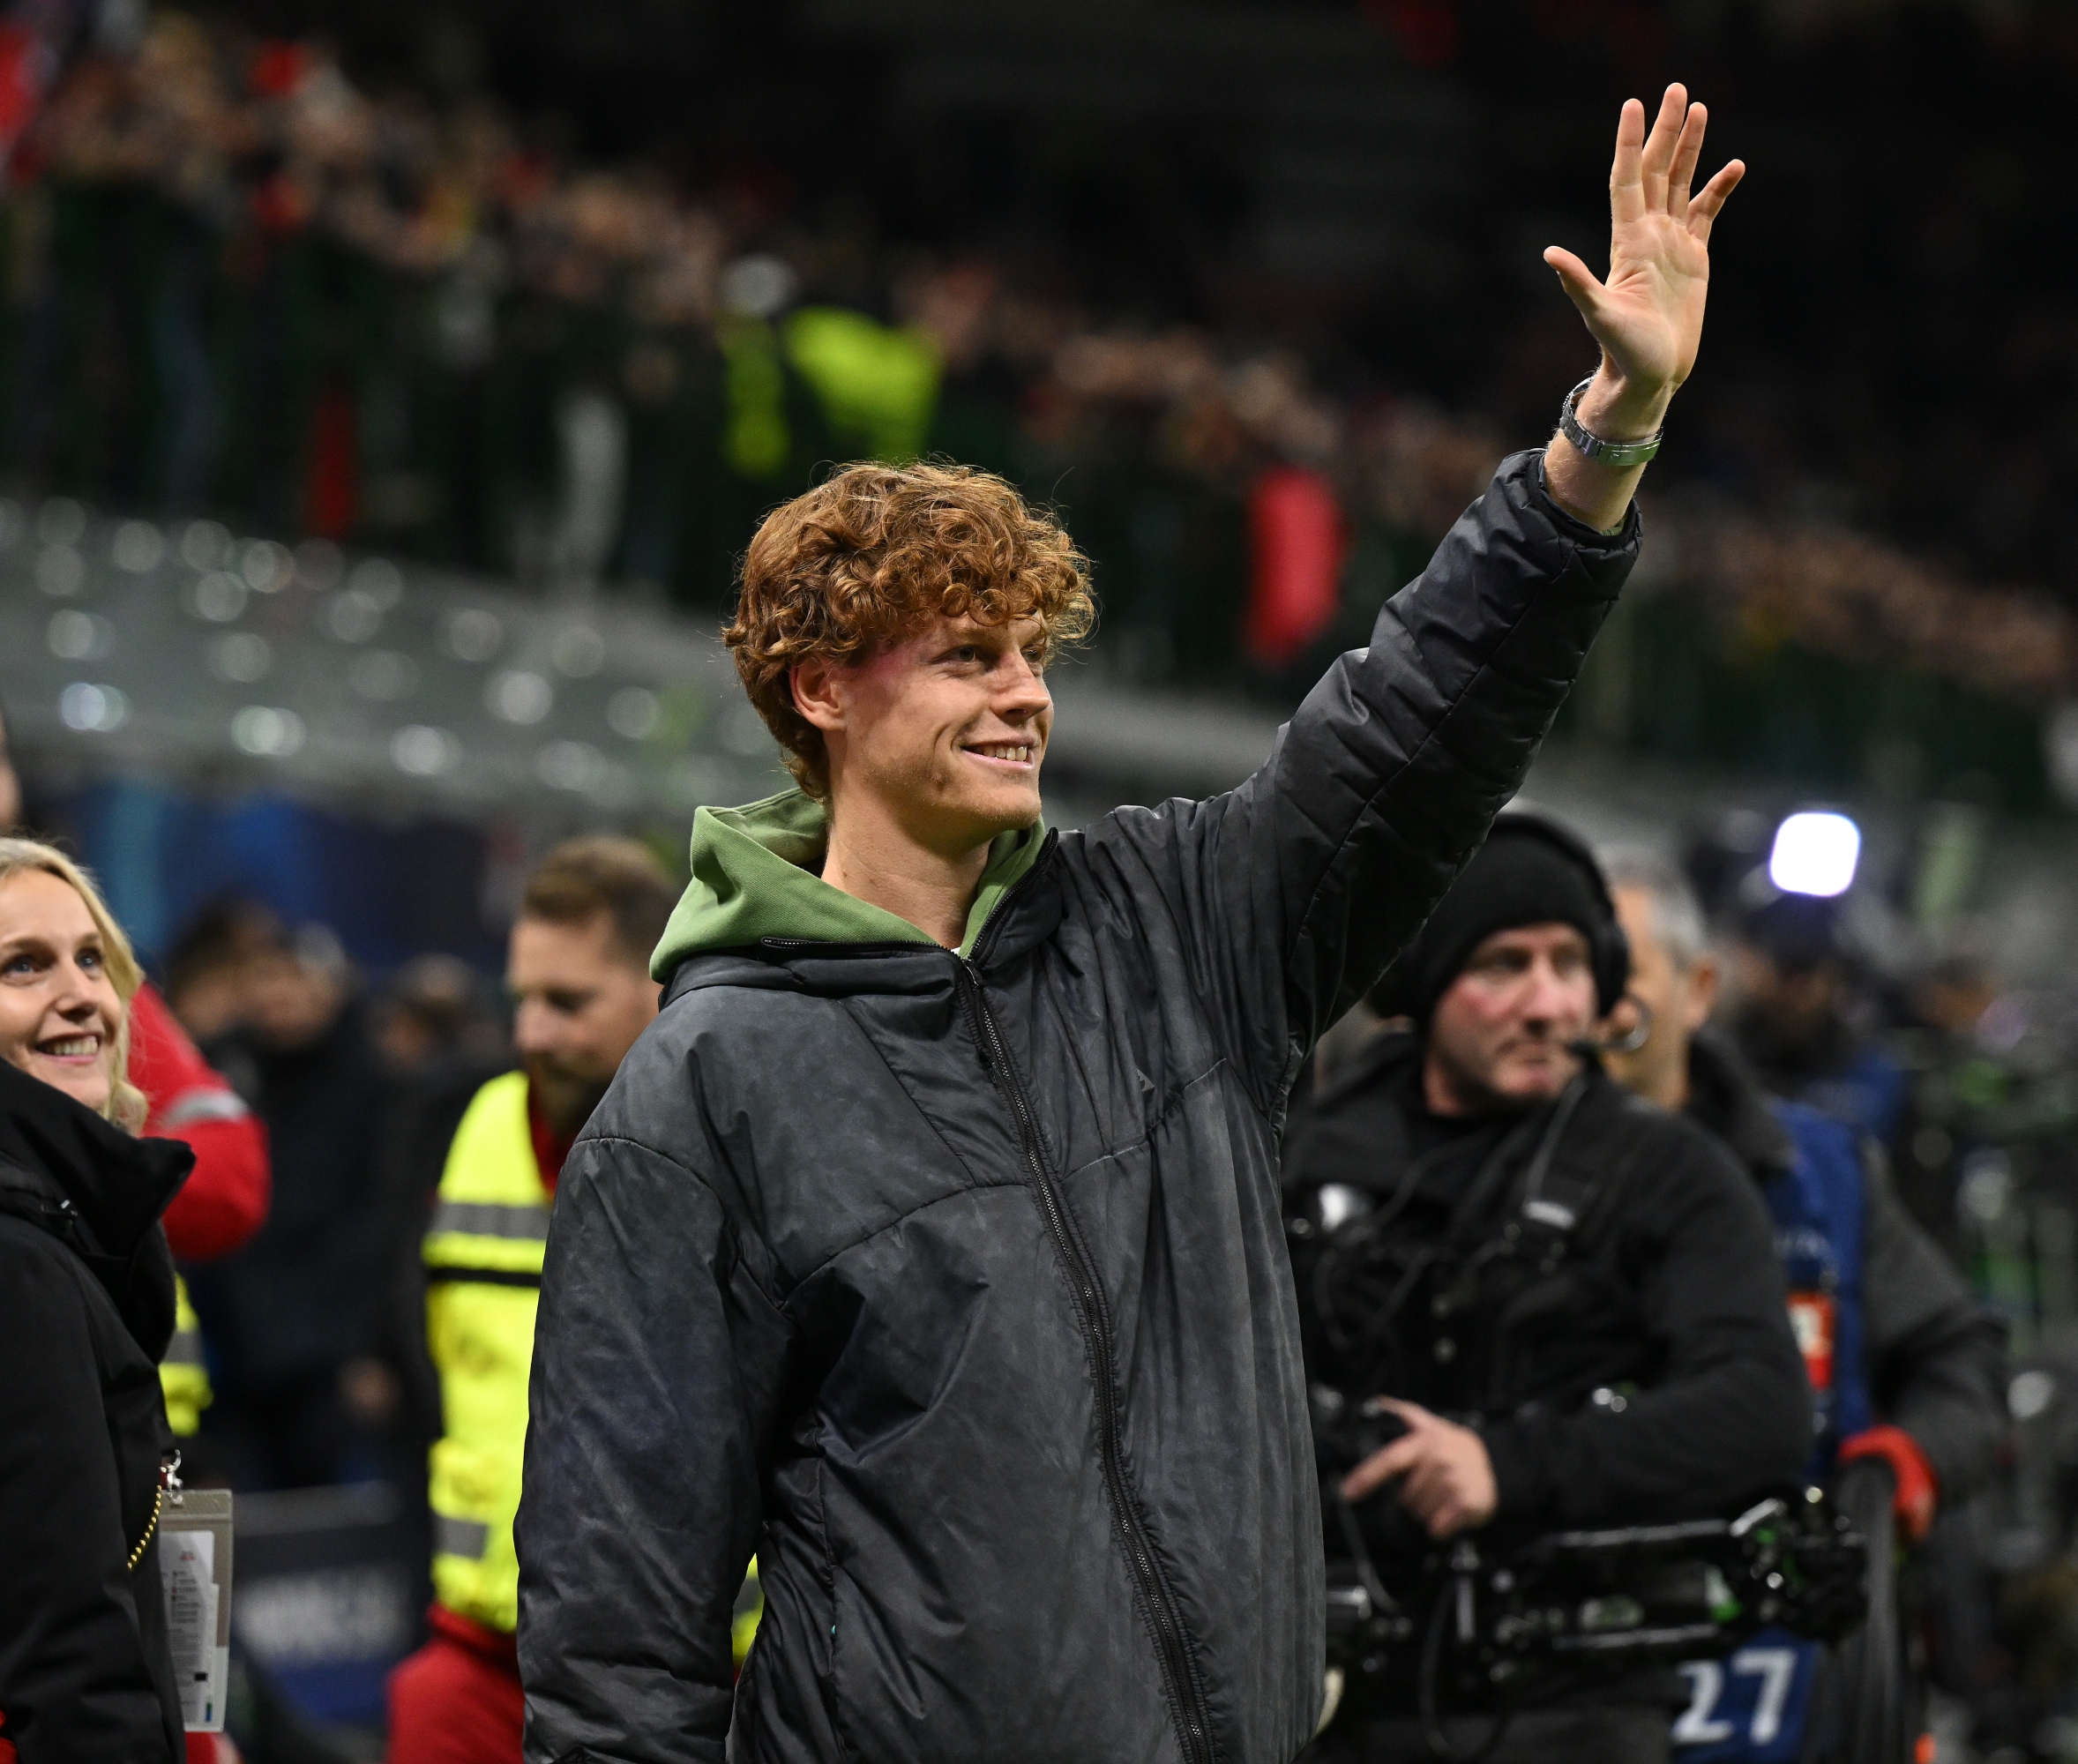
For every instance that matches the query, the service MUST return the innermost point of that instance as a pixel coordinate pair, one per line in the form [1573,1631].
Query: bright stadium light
[1815,853]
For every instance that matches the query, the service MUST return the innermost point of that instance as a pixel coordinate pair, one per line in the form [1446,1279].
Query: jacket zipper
[1192,1720]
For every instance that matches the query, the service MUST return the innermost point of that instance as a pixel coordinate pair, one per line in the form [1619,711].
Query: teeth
[1003,751]
[72,1046]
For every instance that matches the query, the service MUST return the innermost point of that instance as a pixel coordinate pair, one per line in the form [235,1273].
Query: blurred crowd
[240,283]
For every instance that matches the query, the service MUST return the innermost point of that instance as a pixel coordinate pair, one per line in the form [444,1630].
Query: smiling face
[59,1009]
[942,734]
[1501,1038]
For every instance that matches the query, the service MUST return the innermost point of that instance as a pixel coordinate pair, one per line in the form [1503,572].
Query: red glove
[1917,1491]
[225,1202]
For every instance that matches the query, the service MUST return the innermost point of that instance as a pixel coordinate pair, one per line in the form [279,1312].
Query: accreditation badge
[195,1577]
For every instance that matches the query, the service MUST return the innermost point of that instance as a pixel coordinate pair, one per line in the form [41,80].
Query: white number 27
[1699,1725]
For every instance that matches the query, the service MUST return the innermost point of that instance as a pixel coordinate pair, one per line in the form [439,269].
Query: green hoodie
[754,875]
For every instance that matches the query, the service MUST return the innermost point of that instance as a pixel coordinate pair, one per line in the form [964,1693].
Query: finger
[1448,1520]
[1581,287]
[1627,192]
[1703,212]
[1687,150]
[1430,1495]
[1381,1467]
[1658,157]
[1412,1413]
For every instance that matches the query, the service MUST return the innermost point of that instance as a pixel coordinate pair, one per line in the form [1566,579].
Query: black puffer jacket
[957,1288]
[85,1312]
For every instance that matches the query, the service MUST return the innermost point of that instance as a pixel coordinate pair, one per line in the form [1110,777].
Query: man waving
[929,1244]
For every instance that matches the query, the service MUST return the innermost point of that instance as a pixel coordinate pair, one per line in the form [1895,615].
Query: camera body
[1492,1630]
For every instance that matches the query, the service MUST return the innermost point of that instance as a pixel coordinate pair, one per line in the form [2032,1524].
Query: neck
[1668,1086]
[872,858]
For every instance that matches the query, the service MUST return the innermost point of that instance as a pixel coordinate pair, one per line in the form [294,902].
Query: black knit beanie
[1529,872]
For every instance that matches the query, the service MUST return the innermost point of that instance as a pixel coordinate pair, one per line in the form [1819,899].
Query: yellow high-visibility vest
[484,1272]
[182,1374]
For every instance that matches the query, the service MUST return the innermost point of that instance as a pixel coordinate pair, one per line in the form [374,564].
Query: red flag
[1297,540]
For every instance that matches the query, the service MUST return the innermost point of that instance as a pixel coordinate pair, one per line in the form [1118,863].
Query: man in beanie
[1530,1301]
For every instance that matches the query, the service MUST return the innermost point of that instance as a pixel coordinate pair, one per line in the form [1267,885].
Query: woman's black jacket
[86,1312]
[957,1290]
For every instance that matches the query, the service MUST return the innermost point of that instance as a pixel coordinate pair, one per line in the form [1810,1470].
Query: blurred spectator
[1797,1015]
[293,1315]
[210,968]
[442,1041]
[434,1011]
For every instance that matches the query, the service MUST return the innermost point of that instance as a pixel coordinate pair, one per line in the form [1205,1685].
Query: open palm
[1649,315]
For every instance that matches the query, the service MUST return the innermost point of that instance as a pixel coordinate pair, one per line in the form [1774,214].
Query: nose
[1546,999]
[77,1000]
[1023,694]
[532,1027]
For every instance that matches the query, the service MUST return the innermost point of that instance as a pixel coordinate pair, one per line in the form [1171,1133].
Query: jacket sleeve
[1937,1359]
[224,1200]
[649,1401]
[1296,889]
[1730,1414]
[75,1682]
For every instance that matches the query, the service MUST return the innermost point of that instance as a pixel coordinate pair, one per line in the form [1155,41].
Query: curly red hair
[874,554]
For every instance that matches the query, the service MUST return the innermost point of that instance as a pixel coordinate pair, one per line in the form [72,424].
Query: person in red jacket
[225,1202]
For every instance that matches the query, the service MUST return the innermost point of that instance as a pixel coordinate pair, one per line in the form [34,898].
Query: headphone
[1408,986]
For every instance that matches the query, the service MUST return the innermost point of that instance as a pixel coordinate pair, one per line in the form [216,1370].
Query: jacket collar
[62,1162]
[1725,1096]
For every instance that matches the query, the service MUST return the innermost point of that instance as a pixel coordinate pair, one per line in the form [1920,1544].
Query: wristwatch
[1617,455]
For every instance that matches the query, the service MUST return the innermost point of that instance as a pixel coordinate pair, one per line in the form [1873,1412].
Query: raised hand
[1649,315]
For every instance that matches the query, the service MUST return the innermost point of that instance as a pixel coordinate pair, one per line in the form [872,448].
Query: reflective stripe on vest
[483,1262]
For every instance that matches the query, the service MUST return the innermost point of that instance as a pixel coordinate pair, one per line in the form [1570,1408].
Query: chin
[999,812]
[1538,1084]
[91,1093]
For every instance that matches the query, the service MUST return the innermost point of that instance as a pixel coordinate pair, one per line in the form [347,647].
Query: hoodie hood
[755,876]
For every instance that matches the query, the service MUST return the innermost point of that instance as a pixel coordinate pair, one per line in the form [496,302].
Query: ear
[819,694]
[1703,980]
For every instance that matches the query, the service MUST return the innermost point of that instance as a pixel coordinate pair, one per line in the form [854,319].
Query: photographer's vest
[483,1275]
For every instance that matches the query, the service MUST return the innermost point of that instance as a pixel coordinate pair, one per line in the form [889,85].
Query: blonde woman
[87,1307]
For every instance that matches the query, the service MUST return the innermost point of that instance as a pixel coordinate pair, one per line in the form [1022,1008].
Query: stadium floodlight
[1815,853]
